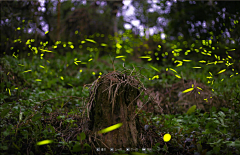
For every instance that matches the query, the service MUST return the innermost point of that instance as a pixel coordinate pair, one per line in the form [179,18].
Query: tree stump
[113,100]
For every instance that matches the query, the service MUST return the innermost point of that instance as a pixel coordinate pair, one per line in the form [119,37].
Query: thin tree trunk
[58,21]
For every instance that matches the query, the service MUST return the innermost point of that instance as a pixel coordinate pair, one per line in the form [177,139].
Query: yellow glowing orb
[166,137]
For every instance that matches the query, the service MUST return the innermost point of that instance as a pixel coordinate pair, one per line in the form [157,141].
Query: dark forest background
[182,22]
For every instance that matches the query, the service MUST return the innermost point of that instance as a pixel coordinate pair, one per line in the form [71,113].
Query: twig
[113,63]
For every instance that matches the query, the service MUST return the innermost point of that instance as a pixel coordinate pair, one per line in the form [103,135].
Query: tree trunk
[58,20]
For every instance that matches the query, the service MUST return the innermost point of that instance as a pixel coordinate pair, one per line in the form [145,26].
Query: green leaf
[87,147]
[51,127]
[16,146]
[4,112]
[224,109]
[214,109]
[48,109]
[36,117]
[217,142]
[157,144]
[211,126]
[59,117]
[191,110]
[216,149]
[221,114]
[83,136]
[235,144]
[77,147]
[4,147]
[6,133]
[199,147]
